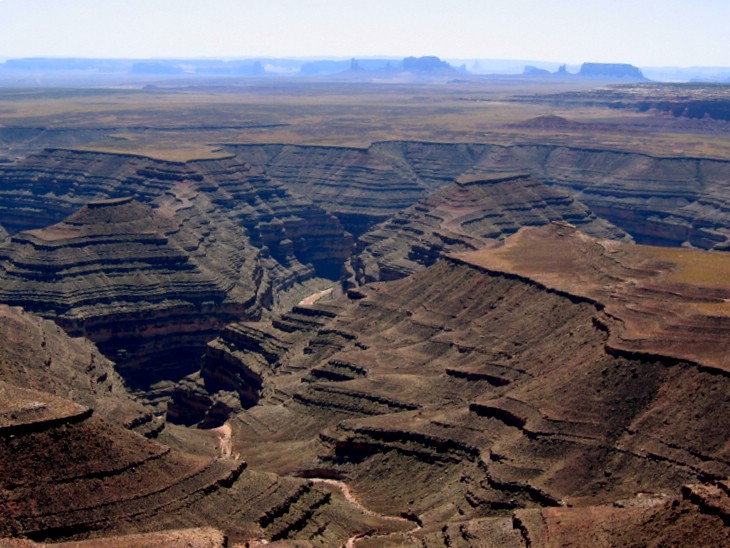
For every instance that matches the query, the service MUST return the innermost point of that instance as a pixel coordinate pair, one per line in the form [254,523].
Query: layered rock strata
[655,301]
[37,354]
[224,242]
[67,475]
[471,213]
[45,188]
[359,187]
[151,281]
[133,280]
[657,200]
[507,392]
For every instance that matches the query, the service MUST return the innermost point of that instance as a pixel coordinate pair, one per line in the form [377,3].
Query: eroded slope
[503,392]
[134,280]
[69,475]
[657,301]
[657,200]
[37,354]
[471,213]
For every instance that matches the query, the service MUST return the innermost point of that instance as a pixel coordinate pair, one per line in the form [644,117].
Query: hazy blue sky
[642,32]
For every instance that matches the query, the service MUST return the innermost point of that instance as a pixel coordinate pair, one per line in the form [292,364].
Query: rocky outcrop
[239,362]
[698,512]
[471,213]
[429,63]
[99,480]
[99,474]
[37,354]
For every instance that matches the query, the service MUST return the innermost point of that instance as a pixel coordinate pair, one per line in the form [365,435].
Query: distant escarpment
[471,213]
[663,201]
[297,199]
[359,187]
[514,393]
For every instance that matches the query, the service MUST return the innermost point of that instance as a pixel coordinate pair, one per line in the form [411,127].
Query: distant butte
[659,301]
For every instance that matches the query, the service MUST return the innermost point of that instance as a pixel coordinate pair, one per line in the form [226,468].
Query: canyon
[407,343]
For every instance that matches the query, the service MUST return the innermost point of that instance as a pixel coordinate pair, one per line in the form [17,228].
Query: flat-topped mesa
[656,301]
[108,210]
[107,217]
[477,210]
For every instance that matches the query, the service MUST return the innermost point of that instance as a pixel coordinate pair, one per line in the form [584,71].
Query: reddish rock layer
[499,390]
[656,301]
[69,475]
[472,213]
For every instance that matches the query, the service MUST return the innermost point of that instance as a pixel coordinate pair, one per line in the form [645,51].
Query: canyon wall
[657,200]
[509,392]
[151,259]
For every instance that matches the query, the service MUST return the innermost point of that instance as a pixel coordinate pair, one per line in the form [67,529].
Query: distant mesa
[534,71]
[426,64]
[429,64]
[156,67]
[358,68]
[594,71]
[549,121]
[613,71]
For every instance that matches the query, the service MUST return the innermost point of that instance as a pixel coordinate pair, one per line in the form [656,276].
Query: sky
[642,32]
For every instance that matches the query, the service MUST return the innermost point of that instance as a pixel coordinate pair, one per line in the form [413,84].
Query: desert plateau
[405,307]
